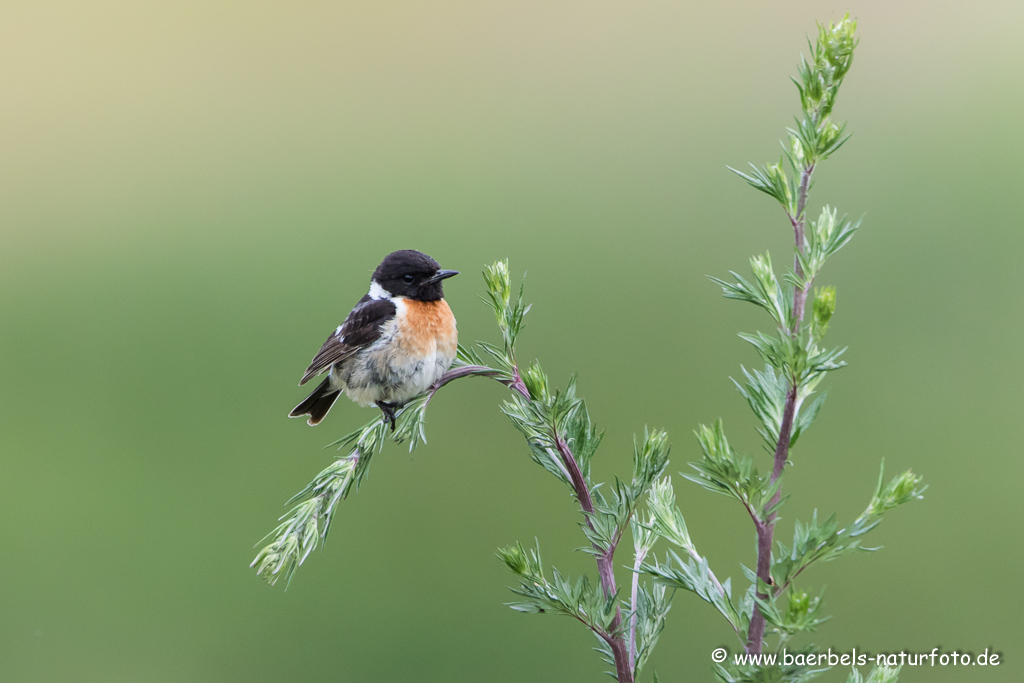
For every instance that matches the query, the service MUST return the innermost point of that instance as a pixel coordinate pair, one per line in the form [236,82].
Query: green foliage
[721,470]
[824,541]
[578,598]
[652,606]
[307,523]
[818,80]
[775,182]
[694,573]
[825,237]
[781,398]
[824,309]
[903,488]
[508,312]
[764,291]
[815,137]
[562,438]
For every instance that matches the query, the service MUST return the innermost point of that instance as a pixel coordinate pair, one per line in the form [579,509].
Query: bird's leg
[389,412]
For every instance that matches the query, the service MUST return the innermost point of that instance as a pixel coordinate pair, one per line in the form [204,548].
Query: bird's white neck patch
[377,292]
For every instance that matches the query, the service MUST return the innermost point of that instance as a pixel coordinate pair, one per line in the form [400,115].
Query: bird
[397,341]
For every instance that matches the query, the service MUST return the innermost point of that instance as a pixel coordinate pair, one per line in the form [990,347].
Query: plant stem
[605,562]
[714,579]
[799,224]
[641,555]
[516,384]
[605,557]
[766,527]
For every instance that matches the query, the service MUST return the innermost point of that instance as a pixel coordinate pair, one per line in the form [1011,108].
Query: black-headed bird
[393,346]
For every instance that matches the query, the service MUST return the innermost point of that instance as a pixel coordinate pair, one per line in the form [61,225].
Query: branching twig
[307,523]
[605,560]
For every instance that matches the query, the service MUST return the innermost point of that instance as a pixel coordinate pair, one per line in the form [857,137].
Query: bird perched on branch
[393,346]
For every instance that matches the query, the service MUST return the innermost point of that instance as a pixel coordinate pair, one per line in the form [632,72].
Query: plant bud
[514,557]
[799,605]
[536,381]
[761,266]
[824,307]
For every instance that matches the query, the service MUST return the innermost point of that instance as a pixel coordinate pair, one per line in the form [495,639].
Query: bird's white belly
[395,369]
[381,376]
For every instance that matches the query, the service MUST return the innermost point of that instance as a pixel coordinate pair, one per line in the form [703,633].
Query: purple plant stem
[605,563]
[516,383]
[766,527]
[605,558]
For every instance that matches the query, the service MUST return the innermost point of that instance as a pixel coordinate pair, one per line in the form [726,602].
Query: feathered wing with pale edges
[361,328]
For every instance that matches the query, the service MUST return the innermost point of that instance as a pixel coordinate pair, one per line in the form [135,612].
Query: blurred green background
[195,193]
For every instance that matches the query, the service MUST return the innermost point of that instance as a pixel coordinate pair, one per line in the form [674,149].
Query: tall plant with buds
[782,394]
[561,438]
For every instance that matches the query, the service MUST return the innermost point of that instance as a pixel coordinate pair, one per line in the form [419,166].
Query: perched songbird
[397,341]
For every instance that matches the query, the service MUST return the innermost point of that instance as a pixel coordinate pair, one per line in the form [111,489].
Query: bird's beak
[442,275]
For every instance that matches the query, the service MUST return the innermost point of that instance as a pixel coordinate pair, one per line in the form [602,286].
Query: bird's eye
[407,279]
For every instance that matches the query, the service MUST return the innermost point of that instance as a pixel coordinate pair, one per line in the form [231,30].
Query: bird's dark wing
[361,328]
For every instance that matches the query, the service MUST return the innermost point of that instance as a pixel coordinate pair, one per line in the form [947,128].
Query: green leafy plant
[782,397]
[562,439]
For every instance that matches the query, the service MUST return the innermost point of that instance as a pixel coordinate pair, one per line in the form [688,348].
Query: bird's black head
[411,274]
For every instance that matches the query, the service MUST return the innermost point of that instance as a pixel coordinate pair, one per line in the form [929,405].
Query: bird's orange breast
[429,326]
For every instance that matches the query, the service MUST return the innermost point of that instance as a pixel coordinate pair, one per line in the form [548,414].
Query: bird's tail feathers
[317,404]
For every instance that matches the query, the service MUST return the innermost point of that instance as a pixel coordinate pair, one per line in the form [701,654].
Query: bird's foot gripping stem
[389,411]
